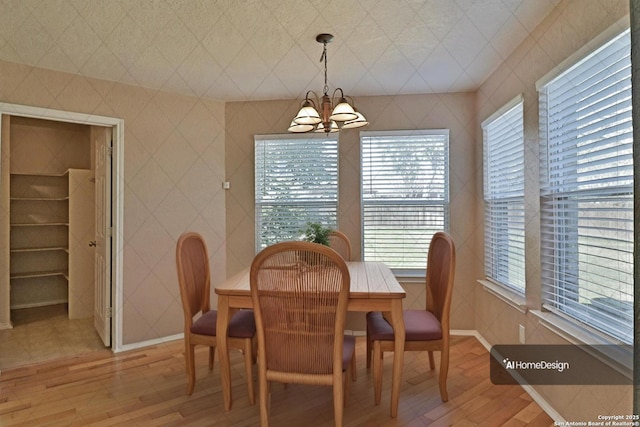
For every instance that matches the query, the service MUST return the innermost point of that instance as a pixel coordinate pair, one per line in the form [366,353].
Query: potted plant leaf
[317,233]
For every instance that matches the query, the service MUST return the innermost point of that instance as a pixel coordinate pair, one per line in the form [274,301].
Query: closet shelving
[39,239]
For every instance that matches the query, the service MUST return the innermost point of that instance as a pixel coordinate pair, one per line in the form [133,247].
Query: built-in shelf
[41,249]
[38,199]
[39,222]
[45,175]
[34,274]
[47,264]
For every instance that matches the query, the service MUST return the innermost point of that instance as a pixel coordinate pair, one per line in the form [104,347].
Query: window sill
[409,276]
[512,298]
[608,350]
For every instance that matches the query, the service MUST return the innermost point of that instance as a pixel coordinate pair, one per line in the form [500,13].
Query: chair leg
[347,388]
[354,374]
[189,359]
[444,370]
[369,349]
[254,350]
[338,402]
[377,372]
[432,364]
[248,367]
[264,400]
[212,356]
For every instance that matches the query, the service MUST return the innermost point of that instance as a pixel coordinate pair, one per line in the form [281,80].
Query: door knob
[92,243]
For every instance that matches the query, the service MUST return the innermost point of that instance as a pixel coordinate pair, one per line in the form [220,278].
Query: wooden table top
[369,280]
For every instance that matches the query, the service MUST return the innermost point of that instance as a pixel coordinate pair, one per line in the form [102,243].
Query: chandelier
[319,115]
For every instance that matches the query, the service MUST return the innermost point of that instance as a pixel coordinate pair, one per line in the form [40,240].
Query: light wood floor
[146,387]
[45,333]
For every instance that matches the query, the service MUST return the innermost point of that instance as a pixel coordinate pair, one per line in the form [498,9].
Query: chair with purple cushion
[300,293]
[195,289]
[425,330]
[339,242]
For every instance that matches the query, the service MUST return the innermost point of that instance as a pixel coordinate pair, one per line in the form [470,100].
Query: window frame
[511,198]
[416,272]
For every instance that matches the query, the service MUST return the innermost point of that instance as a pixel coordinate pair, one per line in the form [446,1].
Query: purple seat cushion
[348,348]
[241,325]
[419,325]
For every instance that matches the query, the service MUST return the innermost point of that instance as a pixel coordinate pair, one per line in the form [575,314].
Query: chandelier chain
[324,57]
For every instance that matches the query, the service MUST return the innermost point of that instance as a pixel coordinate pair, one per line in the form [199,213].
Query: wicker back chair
[425,330]
[300,292]
[194,277]
[339,242]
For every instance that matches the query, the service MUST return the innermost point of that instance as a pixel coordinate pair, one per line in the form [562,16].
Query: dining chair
[200,321]
[425,330]
[300,293]
[339,242]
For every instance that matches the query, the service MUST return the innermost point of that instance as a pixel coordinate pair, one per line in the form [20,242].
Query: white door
[102,303]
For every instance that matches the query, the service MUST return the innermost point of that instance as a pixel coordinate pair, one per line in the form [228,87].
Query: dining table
[373,288]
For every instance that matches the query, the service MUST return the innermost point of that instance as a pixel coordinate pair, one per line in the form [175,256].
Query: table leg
[223,348]
[398,354]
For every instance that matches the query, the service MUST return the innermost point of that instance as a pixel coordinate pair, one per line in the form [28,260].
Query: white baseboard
[472,333]
[141,344]
[531,391]
[6,326]
[542,402]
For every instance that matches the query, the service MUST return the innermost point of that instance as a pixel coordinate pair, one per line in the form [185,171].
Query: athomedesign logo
[540,365]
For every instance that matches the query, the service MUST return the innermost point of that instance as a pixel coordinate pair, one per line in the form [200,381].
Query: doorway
[111,232]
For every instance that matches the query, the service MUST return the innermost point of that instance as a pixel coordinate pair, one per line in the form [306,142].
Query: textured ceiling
[252,49]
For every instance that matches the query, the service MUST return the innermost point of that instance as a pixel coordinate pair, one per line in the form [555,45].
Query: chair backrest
[192,261]
[300,292]
[339,242]
[441,266]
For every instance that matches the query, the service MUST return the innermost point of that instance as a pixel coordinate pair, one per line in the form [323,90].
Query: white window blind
[405,195]
[296,181]
[587,191]
[503,137]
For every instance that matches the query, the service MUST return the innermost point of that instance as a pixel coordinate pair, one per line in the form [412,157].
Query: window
[587,191]
[296,181]
[503,137]
[405,195]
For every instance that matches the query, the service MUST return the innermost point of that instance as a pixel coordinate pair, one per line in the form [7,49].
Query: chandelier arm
[315,104]
[353,103]
[334,97]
